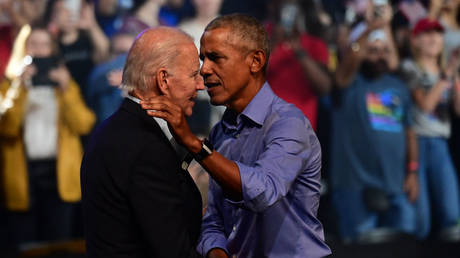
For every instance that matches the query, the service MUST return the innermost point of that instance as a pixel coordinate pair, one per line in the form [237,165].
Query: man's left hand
[162,107]
[411,186]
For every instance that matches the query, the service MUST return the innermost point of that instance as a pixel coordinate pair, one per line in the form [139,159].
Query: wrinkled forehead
[224,37]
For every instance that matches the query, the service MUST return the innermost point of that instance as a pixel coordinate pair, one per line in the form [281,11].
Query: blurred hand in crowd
[60,75]
[114,77]
[453,63]
[411,186]
[378,16]
[27,74]
[87,16]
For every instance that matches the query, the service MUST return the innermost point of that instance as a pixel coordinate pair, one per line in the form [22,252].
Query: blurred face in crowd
[208,8]
[63,17]
[375,64]
[225,67]
[185,80]
[107,7]
[32,10]
[451,4]
[39,44]
[428,43]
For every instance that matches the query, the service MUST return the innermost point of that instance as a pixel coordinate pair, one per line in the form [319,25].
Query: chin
[188,112]
[216,101]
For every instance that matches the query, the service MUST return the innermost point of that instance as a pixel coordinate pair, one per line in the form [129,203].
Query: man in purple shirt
[265,169]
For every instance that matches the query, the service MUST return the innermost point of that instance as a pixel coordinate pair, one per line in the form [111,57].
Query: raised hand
[162,107]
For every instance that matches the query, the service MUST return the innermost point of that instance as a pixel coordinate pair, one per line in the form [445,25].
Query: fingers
[162,107]
[160,103]
[159,114]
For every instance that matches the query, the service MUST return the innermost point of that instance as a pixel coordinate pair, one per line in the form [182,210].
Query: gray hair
[249,32]
[153,49]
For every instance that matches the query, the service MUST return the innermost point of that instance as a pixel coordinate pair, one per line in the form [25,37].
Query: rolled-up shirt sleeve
[288,149]
[212,227]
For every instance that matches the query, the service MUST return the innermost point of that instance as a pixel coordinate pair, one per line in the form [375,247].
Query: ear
[257,60]
[163,81]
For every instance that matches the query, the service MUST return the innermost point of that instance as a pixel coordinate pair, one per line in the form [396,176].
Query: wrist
[194,145]
[412,167]
[206,149]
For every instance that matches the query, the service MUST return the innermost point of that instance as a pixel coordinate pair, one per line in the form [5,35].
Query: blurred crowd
[377,79]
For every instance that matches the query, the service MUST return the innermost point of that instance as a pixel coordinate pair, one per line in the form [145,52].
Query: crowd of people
[378,81]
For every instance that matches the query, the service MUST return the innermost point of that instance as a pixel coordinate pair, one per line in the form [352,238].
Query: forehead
[431,33]
[189,56]
[40,35]
[217,38]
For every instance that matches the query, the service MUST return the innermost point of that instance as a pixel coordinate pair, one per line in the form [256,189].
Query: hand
[384,18]
[436,5]
[411,186]
[217,253]
[87,16]
[162,107]
[27,74]
[453,63]
[60,75]
[114,77]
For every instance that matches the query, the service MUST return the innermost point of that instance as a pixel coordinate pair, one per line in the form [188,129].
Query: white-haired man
[138,201]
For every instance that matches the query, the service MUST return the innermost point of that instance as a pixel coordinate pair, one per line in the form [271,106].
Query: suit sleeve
[157,205]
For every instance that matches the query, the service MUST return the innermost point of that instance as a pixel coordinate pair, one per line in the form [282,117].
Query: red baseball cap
[425,25]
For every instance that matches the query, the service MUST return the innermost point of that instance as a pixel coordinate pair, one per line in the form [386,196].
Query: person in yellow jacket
[40,146]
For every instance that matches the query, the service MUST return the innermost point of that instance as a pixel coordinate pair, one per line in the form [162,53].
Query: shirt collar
[161,122]
[257,109]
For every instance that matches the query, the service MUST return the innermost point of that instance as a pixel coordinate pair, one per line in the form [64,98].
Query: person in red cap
[435,89]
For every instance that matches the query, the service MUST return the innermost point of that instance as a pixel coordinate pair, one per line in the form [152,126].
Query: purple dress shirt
[279,158]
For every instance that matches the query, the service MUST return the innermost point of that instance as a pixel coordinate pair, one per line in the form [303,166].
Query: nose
[205,68]
[200,83]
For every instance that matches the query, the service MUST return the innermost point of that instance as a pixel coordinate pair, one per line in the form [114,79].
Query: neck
[429,63]
[149,13]
[142,95]
[249,91]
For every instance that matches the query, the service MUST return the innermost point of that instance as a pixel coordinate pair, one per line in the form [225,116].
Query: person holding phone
[373,145]
[297,69]
[436,90]
[41,149]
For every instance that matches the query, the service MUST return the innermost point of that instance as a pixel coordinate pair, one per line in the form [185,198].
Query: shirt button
[237,135]
[234,228]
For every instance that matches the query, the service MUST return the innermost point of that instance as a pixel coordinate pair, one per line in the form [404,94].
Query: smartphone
[44,65]
[378,7]
[288,17]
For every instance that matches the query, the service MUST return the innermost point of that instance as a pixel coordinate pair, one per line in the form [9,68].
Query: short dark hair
[247,28]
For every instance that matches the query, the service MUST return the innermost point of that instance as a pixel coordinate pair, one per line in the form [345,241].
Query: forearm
[217,253]
[224,171]
[100,42]
[411,143]
[428,101]
[456,97]
[315,73]
[393,58]
[348,67]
